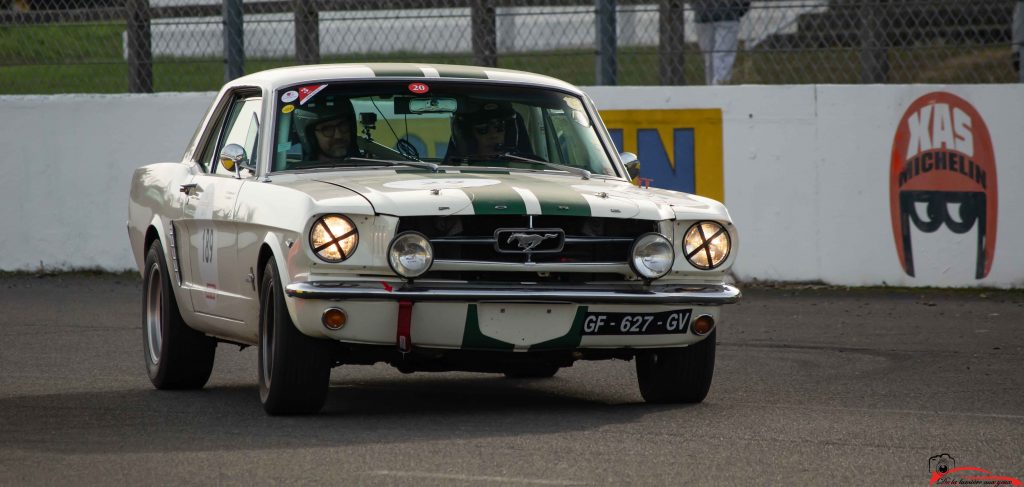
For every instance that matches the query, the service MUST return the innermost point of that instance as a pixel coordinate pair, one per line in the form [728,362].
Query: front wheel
[294,369]
[177,357]
[677,375]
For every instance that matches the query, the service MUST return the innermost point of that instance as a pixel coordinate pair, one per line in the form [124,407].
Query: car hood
[409,193]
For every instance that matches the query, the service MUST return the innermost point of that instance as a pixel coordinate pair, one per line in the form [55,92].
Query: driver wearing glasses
[489,131]
[328,130]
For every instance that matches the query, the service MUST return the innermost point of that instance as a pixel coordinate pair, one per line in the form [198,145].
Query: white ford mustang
[431,217]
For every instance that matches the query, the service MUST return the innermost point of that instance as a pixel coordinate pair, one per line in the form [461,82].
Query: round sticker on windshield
[290,96]
[419,88]
[287,108]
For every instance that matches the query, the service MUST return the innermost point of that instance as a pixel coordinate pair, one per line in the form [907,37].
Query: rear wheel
[294,369]
[177,357]
[677,375]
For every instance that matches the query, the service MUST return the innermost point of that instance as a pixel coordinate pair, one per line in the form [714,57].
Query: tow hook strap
[404,337]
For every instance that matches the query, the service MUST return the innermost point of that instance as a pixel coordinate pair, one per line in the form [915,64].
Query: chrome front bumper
[711,295]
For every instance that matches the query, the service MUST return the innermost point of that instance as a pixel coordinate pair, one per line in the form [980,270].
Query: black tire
[677,375]
[533,371]
[176,356]
[294,369]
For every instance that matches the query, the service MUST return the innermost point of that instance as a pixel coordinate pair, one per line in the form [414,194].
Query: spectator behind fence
[718,29]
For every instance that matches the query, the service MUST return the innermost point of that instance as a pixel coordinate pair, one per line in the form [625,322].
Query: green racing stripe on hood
[560,201]
[499,199]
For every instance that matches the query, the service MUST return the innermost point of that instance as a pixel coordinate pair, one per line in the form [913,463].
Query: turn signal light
[703,324]
[334,318]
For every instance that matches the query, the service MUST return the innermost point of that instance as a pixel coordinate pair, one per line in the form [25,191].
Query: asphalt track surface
[813,387]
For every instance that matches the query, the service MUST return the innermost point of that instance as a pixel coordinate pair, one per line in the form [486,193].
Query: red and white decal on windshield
[307,92]
[419,88]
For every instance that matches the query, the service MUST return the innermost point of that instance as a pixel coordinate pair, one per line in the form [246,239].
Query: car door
[209,216]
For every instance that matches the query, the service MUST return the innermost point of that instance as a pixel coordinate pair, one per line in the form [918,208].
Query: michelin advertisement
[873,185]
[846,185]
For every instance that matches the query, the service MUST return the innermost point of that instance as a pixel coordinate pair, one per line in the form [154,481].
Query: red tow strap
[404,337]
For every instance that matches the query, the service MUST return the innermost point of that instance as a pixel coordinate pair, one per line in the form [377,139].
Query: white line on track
[473,478]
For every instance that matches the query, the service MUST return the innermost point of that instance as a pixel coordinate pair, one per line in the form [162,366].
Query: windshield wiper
[370,162]
[585,174]
[421,164]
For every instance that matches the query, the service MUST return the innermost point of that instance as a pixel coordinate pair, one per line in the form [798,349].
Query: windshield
[442,122]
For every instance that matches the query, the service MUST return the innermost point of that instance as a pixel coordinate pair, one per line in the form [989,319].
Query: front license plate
[665,322]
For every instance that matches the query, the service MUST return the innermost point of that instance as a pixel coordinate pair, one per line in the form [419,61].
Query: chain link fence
[103,46]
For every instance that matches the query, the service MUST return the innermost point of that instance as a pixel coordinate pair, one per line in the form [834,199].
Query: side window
[241,128]
[206,158]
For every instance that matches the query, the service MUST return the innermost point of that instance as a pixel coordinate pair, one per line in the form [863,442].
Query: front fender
[284,256]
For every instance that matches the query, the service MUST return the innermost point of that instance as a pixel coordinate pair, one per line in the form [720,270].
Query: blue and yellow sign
[679,150]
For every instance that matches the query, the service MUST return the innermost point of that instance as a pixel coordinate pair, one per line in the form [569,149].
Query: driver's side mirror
[233,158]
[632,164]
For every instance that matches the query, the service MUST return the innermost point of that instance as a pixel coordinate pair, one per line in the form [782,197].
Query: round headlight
[706,245]
[652,255]
[333,238]
[410,254]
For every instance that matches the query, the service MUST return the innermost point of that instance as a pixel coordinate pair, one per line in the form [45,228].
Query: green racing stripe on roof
[461,72]
[383,70]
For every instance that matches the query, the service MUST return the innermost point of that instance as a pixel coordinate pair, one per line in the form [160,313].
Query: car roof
[275,78]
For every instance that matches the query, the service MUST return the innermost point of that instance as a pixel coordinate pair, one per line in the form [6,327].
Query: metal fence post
[307,32]
[1018,37]
[605,30]
[234,40]
[671,42]
[483,31]
[140,53]
[874,55]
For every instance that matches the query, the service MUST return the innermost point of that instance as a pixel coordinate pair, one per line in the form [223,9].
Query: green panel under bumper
[570,340]
[474,339]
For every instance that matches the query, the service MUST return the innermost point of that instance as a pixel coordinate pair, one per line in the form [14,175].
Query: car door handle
[190,189]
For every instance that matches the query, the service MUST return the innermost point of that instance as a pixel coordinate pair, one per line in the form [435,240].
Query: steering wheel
[408,150]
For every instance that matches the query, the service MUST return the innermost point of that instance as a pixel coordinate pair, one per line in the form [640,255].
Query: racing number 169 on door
[665,322]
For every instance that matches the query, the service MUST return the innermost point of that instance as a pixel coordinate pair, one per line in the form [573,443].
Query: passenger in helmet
[327,129]
[490,130]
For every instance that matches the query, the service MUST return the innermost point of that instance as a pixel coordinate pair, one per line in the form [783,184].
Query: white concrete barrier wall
[807,172]
[66,167]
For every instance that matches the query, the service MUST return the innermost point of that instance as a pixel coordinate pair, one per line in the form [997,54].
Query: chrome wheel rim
[267,344]
[154,308]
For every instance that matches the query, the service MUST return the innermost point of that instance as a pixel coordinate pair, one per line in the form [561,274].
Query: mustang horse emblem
[527,241]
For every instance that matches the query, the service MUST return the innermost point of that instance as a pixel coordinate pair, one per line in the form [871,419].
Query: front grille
[588,240]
